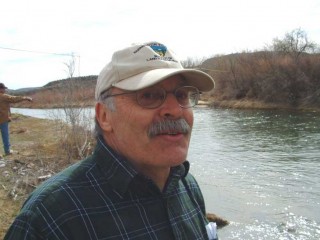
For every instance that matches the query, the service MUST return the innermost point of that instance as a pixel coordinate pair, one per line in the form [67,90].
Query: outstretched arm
[27,99]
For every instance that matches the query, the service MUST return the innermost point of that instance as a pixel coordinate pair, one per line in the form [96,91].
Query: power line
[39,52]
[49,53]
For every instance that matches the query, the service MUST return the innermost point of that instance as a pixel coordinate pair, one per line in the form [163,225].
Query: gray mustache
[169,126]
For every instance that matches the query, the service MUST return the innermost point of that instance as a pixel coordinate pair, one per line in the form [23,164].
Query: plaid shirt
[103,197]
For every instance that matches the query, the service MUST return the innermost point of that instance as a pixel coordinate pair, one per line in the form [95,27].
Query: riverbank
[205,101]
[250,104]
[36,157]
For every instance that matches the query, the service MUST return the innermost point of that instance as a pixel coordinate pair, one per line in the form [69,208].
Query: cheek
[188,116]
[131,125]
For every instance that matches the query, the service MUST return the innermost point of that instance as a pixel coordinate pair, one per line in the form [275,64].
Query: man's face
[130,123]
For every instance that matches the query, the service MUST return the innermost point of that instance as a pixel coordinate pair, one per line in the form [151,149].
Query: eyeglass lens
[153,97]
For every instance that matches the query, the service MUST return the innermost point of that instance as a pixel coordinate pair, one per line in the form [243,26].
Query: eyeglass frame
[165,96]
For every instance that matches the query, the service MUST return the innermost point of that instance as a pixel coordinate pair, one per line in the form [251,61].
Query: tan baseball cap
[143,65]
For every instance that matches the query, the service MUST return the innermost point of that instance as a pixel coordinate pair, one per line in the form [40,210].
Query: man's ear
[103,117]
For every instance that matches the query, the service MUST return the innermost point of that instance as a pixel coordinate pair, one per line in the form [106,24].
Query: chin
[178,160]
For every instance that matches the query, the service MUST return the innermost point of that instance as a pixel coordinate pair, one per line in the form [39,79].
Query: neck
[158,176]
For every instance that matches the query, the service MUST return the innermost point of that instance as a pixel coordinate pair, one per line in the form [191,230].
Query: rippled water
[257,169]
[260,170]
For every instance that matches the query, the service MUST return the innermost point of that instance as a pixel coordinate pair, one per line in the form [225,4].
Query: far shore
[210,103]
[258,105]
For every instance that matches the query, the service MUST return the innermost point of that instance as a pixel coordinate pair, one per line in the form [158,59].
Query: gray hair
[109,104]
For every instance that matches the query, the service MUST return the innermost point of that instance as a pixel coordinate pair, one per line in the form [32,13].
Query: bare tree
[76,117]
[295,42]
[71,66]
[192,62]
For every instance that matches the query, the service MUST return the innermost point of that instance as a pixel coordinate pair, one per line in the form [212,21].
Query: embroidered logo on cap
[160,51]
[158,48]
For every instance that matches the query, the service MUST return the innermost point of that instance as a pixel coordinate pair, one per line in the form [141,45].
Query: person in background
[136,184]
[5,101]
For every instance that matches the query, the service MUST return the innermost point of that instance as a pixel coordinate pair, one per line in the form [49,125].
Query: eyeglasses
[153,97]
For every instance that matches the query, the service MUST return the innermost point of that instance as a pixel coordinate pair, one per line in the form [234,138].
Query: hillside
[24,91]
[263,79]
[84,81]
[78,91]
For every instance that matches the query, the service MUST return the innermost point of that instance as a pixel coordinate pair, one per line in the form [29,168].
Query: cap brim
[193,77]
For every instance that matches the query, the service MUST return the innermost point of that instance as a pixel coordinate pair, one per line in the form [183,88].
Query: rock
[30,165]
[45,177]
[6,174]
[2,164]
[218,220]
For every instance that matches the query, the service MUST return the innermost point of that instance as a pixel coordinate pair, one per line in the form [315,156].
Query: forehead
[173,81]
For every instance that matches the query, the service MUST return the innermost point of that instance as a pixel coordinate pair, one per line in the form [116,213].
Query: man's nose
[171,106]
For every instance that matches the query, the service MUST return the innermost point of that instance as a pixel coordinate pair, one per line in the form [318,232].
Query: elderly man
[5,101]
[136,185]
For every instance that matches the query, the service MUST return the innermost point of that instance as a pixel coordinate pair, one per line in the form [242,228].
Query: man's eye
[182,95]
[151,95]
[147,95]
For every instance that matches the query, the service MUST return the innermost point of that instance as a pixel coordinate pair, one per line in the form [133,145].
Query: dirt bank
[36,157]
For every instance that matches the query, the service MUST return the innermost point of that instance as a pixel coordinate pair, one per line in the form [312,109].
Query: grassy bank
[205,101]
[36,156]
[250,104]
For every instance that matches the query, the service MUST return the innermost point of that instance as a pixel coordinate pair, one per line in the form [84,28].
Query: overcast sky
[92,30]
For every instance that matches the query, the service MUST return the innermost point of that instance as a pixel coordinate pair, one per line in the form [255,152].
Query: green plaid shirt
[103,197]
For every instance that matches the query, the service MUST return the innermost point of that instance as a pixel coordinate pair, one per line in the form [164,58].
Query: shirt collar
[116,169]
[175,176]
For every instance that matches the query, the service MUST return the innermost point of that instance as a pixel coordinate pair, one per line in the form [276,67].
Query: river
[257,169]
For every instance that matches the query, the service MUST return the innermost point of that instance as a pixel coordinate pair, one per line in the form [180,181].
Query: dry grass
[36,143]
[246,104]
[8,211]
[255,104]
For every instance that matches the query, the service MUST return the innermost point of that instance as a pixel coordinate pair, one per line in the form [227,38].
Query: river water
[257,169]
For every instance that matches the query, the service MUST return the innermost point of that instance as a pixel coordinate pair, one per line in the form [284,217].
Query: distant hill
[80,81]
[276,78]
[84,81]
[264,78]
[24,91]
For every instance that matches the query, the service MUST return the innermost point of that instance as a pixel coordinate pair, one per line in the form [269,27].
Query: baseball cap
[2,86]
[143,65]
